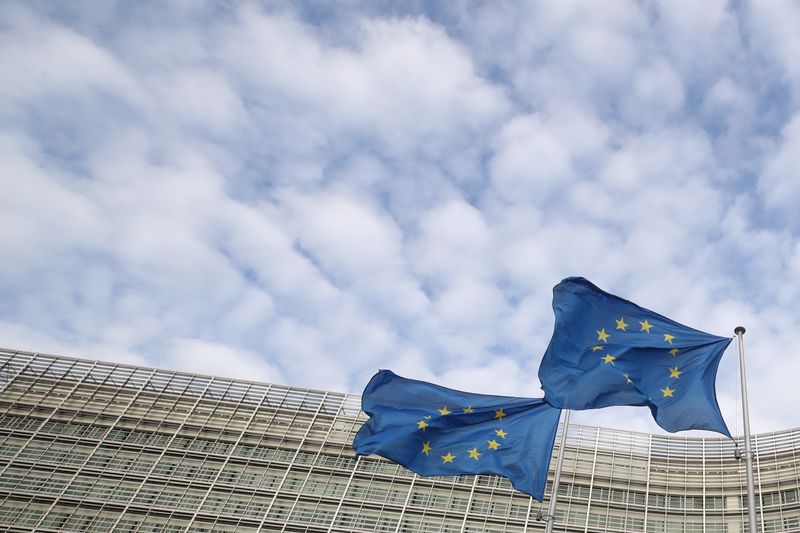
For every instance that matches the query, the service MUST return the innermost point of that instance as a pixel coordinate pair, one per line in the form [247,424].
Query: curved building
[96,446]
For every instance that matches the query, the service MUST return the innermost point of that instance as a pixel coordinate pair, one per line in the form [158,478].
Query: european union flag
[609,351]
[436,431]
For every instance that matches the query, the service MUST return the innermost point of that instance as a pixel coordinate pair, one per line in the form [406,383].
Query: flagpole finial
[739,330]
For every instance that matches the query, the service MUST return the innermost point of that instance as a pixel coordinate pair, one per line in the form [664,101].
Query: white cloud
[254,307]
[348,237]
[531,161]
[468,305]
[699,36]
[44,60]
[779,184]
[726,96]
[272,195]
[772,25]
[301,350]
[40,214]
[539,155]
[397,79]
[454,242]
[657,93]
[501,376]
[204,357]
[199,98]
[357,248]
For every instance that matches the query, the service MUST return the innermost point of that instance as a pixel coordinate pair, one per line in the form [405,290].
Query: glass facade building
[95,446]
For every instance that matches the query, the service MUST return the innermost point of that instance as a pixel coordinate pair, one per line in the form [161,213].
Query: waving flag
[608,351]
[436,431]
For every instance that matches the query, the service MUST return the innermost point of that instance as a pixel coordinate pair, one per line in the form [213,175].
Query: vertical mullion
[148,474]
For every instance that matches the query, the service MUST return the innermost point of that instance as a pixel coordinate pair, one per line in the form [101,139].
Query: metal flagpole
[551,510]
[751,496]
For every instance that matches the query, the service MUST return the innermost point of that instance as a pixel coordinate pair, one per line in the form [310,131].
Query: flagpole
[551,510]
[751,496]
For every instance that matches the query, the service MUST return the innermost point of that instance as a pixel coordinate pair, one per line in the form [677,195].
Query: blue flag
[609,351]
[436,431]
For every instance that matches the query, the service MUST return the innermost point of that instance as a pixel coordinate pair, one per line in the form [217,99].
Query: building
[95,446]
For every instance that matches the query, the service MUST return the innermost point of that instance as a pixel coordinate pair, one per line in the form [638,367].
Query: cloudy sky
[300,193]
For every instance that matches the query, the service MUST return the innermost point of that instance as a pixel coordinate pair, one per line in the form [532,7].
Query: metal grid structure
[96,446]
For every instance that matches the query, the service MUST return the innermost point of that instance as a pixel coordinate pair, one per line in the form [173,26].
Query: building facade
[96,446]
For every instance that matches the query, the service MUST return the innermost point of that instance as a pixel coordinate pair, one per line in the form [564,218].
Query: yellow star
[469,409]
[444,411]
[673,352]
[608,358]
[667,392]
[668,338]
[621,323]
[501,433]
[422,425]
[426,447]
[595,348]
[448,458]
[493,444]
[499,413]
[645,326]
[474,453]
[602,335]
[627,378]
[675,373]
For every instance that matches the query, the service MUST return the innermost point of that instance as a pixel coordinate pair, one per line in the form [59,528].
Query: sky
[303,193]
